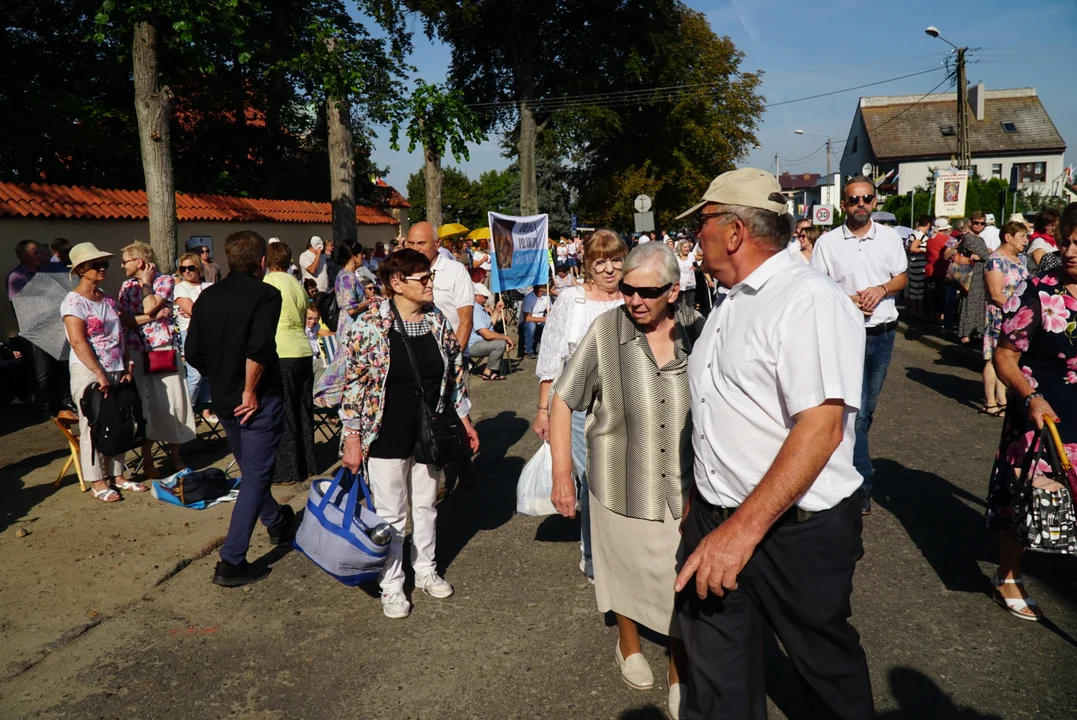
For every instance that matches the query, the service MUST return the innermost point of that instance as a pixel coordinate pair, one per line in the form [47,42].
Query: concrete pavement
[521,637]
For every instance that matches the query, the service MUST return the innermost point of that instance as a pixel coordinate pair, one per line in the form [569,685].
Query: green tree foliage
[461,198]
[987,195]
[672,146]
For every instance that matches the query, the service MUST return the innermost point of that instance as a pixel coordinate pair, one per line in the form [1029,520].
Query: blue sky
[811,48]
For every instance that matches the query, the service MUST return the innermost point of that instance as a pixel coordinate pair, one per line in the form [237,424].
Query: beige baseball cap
[748,187]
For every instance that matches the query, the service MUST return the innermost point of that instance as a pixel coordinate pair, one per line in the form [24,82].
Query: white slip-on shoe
[676,700]
[434,586]
[395,605]
[634,670]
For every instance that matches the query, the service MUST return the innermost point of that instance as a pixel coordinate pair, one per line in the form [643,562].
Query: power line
[806,157]
[857,87]
[910,107]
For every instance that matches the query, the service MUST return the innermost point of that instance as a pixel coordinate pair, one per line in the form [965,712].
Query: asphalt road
[522,639]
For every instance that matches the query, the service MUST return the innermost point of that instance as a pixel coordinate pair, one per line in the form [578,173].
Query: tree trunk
[528,183]
[341,169]
[153,106]
[432,174]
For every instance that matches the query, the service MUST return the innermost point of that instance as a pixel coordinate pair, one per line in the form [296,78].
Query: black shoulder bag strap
[399,323]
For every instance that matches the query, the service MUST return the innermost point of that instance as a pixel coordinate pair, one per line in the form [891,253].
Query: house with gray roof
[913,135]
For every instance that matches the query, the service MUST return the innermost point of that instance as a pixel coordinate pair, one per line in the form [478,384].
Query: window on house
[996,170]
[947,130]
[1033,172]
[1009,127]
[972,171]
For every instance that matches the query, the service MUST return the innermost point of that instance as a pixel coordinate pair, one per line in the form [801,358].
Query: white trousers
[395,484]
[95,466]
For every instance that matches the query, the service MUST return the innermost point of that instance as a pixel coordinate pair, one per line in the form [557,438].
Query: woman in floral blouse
[373,381]
[1004,279]
[1036,358]
[148,295]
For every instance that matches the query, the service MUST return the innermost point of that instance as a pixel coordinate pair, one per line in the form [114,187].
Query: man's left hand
[870,298]
[717,560]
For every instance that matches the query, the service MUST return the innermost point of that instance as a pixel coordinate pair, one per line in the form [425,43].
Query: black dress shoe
[865,503]
[231,575]
[283,532]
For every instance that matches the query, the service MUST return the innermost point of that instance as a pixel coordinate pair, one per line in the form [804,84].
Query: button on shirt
[859,263]
[784,340]
[453,288]
[638,460]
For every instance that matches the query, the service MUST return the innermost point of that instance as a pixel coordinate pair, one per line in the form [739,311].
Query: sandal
[1015,606]
[992,410]
[132,486]
[108,495]
[492,377]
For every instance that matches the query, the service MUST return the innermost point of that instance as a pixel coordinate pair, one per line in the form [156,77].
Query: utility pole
[828,159]
[964,156]
[777,168]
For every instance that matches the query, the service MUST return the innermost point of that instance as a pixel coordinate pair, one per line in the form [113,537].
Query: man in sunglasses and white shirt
[867,260]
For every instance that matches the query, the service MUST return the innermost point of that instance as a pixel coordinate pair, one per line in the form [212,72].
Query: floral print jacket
[355,380]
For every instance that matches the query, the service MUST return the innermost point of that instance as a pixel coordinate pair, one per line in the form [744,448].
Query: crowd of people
[707,397]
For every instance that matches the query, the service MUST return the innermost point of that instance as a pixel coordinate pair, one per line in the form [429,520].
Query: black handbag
[1043,512]
[441,439]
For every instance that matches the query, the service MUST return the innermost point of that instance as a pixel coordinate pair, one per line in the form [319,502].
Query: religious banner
[519,253]
[950,187]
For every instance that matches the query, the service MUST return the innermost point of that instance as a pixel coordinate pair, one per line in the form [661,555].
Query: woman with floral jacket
[374,383]
[1036,358]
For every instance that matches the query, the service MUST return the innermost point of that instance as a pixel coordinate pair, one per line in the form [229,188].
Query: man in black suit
[231,340]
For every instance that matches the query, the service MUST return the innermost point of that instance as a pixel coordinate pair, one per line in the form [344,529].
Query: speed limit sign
[822,215]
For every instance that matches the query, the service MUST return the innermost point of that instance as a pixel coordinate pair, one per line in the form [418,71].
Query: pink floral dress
[1014,277]
[156,334]
[1042,325]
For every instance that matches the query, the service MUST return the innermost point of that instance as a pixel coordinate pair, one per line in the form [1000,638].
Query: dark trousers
[798,582]
[254,446]
[51,383]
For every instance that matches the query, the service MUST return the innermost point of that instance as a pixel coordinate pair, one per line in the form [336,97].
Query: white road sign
[822,215]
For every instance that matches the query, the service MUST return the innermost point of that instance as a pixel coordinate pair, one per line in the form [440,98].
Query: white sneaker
[634,669]
[395,605]
[434,586]
[583,569]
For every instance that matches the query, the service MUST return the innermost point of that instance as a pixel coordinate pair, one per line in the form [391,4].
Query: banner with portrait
[518,246]
[950,188]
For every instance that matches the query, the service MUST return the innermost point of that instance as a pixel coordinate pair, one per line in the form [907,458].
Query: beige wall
[113,235]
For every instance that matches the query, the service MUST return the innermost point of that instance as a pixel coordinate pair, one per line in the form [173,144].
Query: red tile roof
[88,203]
[391,197]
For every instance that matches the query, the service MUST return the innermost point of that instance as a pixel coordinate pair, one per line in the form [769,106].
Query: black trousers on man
[798,581]
[52,384]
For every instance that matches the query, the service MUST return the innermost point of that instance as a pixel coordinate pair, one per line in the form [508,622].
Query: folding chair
[215,429]
[74,457]
[326,420]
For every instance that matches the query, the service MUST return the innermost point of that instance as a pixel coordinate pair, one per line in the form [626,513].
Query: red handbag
[159,362]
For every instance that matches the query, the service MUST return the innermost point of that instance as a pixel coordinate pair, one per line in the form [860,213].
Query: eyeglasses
[606,264]
[97,266]
[127,260]
[702,218]
[423,280]
[204,251]
[187,268]
[979,222]
[855,199]
[647,293]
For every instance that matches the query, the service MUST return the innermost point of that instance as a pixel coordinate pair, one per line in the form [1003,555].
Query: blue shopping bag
[335,532]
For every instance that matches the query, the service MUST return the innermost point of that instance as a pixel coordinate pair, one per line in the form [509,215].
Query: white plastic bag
[535,485]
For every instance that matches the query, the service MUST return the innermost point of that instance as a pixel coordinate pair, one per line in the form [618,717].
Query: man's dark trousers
[254,446]
[798,582]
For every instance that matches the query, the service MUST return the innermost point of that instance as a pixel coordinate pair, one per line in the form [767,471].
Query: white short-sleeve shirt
[784,340]
[190,291]
[453,288]
[856,264]
[321,276]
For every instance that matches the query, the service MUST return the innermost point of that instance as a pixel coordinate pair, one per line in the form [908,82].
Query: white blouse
[568,322]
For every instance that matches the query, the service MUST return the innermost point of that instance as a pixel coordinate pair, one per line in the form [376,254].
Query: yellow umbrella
[482,233]
[451,229]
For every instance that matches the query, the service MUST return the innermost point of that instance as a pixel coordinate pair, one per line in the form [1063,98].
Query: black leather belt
[880,329]
[793,514]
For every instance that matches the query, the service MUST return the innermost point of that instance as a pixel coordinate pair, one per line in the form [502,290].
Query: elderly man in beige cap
[773,528]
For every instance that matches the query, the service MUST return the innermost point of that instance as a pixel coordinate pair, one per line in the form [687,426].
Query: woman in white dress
[187,291]
[576,308]
[686,260]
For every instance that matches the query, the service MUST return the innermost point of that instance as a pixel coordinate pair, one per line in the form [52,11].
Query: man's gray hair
[960,224]
[858,180]
[767,228]
[656,255]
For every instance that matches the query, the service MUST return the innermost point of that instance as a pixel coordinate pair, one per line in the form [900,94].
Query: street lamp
[801,132]
[964,152]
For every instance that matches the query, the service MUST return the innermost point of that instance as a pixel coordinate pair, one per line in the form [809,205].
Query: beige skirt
[166,404]
[635,563]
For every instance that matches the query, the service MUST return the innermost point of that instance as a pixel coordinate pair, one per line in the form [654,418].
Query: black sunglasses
[98,266]
[855,199]
[187,268]
[647,293]
[702,218]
